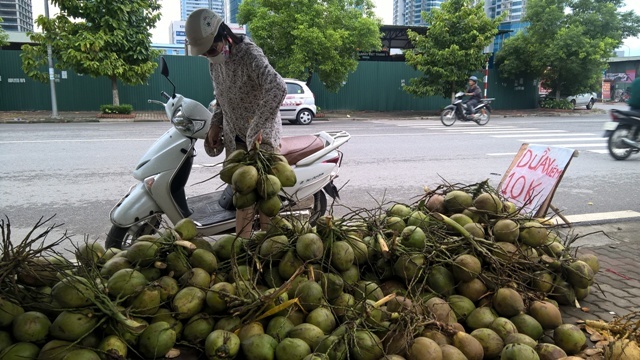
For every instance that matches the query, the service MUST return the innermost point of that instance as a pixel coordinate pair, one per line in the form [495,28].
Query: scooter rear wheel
[617,148]
[448,117]
[483,119]
[119,237]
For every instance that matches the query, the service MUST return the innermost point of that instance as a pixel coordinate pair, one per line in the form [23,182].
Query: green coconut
[533,233]
[507,302]
[20,351]
[284,173]
[581,294]
[278,327]
[343,304]
[245,179]
[202,244]
[272,277]
[203,259]
[332,285]
[456,201]
[491,342]
[309,333]
[461,306]
[270,207]
[401,304]
[481,317]
[334,347]
[435,203]
[89,254]
[527,325]
[592,260]
[342,255]
[146,302]
[517,338]
[113,347]
[506,230]
[196,277]
[143,253]
[542,281]
[228,246]
[461,219]
[188,302]
[268,186]
[408,267]
[230,323]
[126,282]
[294,285]
[475,229]
[466,268]
[368,290]
[151,273]
[71,326]
[579,274]
[309,295]
[5,340]
[309,247]
[472,290]
[424,349]
[259,347]
[290,263]
[506,251]
[360,249]
[55,350]
[488,202]
[518,352]
[472,213]
[218,297]
[563,292]
[468,345]
[323,318]
[503,327]
[413,237]
[186,228]
[221,344]
[547,314]
[437,336]
[82,354]
[249,330]
[450,352]
[440,310]
[367,346]
[399,210]
[441,281]
[292,349]
[71,292]
[31,326]
[549,352]
[156,340]
[395,224]
[244,201]
[419,219]
[168,287]
[569,338]
[177,263]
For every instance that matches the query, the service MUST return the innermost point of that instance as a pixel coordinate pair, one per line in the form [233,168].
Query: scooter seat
[296,148]
[630,113]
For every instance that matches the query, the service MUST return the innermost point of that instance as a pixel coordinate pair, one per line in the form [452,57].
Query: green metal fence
[374,86]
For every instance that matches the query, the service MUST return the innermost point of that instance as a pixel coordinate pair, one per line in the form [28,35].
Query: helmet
[474,79]
[200,28]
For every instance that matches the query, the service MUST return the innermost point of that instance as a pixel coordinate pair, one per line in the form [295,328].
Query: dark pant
[471,103]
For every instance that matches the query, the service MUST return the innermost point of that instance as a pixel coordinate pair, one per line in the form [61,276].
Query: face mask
[222,57]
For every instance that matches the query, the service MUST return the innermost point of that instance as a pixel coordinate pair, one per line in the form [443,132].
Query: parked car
[298,107]
[587,100]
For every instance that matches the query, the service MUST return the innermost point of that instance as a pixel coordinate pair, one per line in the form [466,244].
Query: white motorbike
[164,170]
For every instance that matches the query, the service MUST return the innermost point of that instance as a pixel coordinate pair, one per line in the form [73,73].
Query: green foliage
[304,37]
[116,109]
[452,49]
[3,35]
[567,43]
[556,104]
[99,38]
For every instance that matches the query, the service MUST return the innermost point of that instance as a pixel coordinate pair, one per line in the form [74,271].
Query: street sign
[533,177]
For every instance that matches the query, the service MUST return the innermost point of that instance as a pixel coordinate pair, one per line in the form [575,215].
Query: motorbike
[164,170]
[623,133]
[458,111]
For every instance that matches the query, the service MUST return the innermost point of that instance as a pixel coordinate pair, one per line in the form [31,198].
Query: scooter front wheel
[617,148]
[483,118]
[448,117]
[119,237]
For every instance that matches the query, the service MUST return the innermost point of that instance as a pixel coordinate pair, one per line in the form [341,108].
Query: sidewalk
[20,117]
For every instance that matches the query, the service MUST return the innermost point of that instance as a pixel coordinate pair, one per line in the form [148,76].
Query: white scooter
[164,170]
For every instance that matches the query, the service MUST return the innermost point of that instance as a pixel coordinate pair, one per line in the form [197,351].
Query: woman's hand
[214,138]
[258,139]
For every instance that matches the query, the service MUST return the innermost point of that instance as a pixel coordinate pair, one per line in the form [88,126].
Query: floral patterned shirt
[248,95]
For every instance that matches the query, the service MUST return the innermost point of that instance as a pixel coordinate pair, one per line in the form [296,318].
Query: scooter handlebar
[165,95]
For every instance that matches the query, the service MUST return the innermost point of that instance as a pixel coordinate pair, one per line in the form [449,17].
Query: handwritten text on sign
[534,176]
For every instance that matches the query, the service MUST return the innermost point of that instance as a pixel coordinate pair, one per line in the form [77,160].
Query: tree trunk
[114,90]
[453,92]
[557,95]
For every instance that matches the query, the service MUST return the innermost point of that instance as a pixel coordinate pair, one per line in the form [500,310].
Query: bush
[556,104]
[116,109]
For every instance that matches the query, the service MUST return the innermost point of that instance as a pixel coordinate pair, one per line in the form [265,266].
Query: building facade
[17,15]
[409,12]
[231,10]
[513,11]
[176,32]
[188,6]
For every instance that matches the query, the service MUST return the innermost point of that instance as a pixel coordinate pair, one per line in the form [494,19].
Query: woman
[247,89]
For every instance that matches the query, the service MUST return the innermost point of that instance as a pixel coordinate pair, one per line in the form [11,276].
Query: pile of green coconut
[456,275]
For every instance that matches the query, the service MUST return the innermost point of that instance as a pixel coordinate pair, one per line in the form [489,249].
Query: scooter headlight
[181,122]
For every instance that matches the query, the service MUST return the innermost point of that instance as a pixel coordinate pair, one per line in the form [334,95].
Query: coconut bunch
[257,177]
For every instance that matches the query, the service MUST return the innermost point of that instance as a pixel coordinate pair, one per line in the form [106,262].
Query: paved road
[79,171]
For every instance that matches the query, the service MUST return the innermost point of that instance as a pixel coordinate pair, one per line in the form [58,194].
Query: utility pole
[52,79]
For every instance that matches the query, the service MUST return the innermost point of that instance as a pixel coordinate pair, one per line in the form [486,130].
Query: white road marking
[599,151]
[502,154]
[517,131]
[563,139]
[579,145]
[613,215]
[70,140]
[531,135]
[491,129]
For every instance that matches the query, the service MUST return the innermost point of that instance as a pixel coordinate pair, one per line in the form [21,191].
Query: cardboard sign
[533,176]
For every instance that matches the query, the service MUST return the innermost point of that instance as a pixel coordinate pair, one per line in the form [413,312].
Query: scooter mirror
[164,69]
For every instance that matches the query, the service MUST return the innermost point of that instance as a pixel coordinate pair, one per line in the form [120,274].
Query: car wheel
[590,104]
[573,104]
[304,117]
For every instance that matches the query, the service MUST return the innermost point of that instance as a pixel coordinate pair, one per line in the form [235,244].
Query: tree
[452,49]
[99,38]
[3,35]
[567,43]
[306,37]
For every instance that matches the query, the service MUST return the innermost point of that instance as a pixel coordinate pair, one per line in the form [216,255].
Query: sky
[384,10]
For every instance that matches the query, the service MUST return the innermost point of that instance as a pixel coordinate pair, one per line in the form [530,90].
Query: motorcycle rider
[476,94]
[247,89]
[634,99]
